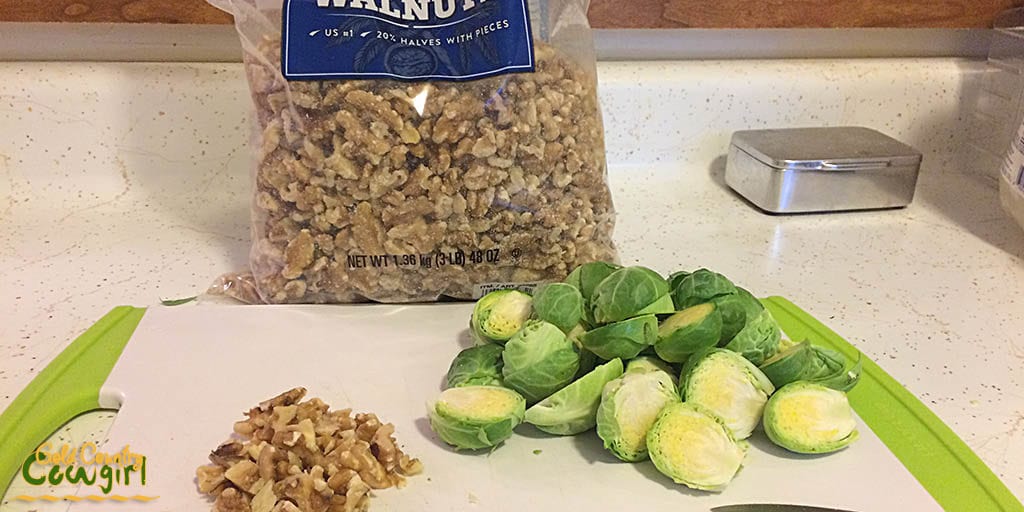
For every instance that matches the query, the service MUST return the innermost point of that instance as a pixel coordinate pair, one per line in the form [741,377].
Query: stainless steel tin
[821,169]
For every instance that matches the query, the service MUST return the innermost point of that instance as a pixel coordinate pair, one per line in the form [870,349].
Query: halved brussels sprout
[630,292]
[729,386]
[585,278]
[573,409]
[806,362]
[759,339]
[539,360]
[560,304]
[623,339]
[476,417]
[805,417]
[500,314]
[688,331]
[629,406]
[693,447]
[699,287]
[476,366]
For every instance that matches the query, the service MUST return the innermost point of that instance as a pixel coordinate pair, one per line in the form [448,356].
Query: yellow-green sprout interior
[478,403]
[508,315]
[697,448]
[814,416]
[685,317]
[637,404]
[725,388]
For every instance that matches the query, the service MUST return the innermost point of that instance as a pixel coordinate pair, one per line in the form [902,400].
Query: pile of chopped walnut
[300,456]
[397,192]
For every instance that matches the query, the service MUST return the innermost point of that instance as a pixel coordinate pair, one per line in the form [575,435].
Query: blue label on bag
[405,39]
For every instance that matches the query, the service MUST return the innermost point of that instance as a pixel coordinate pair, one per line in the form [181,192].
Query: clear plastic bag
[399,191]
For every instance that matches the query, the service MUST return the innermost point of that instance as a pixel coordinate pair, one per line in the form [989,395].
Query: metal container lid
[843,148]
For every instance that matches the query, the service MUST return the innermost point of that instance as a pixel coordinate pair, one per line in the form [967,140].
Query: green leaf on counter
[178,302]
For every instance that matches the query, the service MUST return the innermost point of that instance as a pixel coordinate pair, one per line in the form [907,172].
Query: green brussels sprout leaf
[690,445]
[476,417]
[688,331]
[805,417]
[559,304]
[476,366]
[676,277]
[573,409]
[500,314]
[629,292]
[699,287]
[729,386]
[623,339]
[629,406]
[585,278]
[759,339]
[733,309]
[539,360]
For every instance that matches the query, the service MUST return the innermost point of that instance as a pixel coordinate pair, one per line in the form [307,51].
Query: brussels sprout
[700,287]
[805,417]
[588,359]
[585,278]
[806,362]
[475,417]
[629,406]
[688,331]
[693,447]
[676,277]
[840,378]
[623,339]
[759,339]
[573,409]
[733,309]
[476,366]
[630,292]
[499,314]
[539,360]
[752,306]
[650,364]
[729,386]
[559,304]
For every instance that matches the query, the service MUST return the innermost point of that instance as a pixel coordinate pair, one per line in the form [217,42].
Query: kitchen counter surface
[127,183]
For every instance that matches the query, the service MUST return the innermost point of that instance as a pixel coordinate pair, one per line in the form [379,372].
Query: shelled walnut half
[292,456]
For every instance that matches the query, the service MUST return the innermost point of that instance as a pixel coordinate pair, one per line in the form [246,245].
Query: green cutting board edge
[937,457]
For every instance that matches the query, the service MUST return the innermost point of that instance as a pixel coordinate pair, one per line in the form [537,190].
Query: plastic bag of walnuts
[409,150]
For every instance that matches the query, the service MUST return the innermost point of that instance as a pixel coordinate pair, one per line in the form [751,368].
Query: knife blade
[773,507]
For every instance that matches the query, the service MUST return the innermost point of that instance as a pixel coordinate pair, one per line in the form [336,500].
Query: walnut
[353,174]
[301,456]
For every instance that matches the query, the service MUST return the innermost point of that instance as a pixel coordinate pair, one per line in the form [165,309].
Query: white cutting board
[190,372]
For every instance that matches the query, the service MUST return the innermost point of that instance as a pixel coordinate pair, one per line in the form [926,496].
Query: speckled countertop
[125,183]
